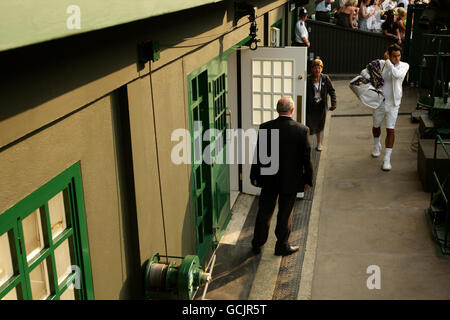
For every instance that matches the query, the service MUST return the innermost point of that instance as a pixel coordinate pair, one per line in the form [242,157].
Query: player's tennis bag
[368,91]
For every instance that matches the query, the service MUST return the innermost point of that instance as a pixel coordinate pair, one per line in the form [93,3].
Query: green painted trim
[11,221]
[28,22]
[215,68]
[8,285]
[66,283]
[77,194]
[33,263]
[236,46]
[225,225]
[22,253]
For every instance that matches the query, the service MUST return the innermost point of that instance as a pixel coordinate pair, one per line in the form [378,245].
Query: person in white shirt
[301,33]
[393,73]
[374,21]
[388,5]
[323,9]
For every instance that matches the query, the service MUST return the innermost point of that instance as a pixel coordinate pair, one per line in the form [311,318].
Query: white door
[268,74]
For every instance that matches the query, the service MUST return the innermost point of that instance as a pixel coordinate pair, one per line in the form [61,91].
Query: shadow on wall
[39,73]
[132,287]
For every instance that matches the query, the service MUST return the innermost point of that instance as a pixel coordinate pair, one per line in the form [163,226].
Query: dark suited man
[294,175]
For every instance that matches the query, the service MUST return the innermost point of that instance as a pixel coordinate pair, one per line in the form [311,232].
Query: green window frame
[66,241]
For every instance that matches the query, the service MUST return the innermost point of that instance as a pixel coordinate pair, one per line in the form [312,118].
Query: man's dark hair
[394,47]
[389,20]
[401,5]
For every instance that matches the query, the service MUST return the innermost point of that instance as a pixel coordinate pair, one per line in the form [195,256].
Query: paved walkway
[361,217]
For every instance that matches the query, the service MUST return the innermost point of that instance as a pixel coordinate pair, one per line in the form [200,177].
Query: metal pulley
[169,281]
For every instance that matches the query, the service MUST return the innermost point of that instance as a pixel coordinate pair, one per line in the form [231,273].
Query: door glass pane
[288,85]
[267,68]
[256,84]
[288,65]
[69,294]
[276,97]
[256,117]
[6,267]
[63,262]
[256,67]
[57,212]
[267,101]
[277,84]
[267,84]
[32,230]
[40,288]
[12,295]
[267,115]
[277,68]
[256,101]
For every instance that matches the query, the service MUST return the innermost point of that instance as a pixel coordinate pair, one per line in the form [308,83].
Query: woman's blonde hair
[317,62]
[401,13]
[352,3]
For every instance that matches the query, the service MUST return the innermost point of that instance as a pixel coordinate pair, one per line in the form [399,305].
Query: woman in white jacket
[393,73]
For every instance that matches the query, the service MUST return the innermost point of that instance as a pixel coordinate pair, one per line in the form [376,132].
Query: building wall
[86,136]
[69,100]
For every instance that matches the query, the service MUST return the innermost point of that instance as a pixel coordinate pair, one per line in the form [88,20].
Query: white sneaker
[386,165]
[376,152]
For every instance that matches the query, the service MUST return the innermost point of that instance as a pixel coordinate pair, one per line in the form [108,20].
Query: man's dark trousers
[267,202]
[294,171]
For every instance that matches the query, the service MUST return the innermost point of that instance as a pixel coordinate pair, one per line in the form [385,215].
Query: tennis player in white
[394,71]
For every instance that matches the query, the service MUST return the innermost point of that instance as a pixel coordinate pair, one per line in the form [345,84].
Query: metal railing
[439,209]
[344,50]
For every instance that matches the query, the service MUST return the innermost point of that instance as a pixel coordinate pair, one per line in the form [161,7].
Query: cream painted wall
[58,85]
[170,114]
[86,136]
[146,177]
[64,75]
[274,16]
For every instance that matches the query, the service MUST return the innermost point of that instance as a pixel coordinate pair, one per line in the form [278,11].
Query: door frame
[212,239]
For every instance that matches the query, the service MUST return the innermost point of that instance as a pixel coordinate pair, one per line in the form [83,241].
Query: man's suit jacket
[295,167]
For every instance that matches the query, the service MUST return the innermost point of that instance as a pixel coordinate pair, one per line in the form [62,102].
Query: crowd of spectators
[382,16]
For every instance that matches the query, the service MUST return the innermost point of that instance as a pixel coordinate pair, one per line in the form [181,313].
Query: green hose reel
[169,281]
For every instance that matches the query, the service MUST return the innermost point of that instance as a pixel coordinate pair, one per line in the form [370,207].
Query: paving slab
[356,217]
[368,217]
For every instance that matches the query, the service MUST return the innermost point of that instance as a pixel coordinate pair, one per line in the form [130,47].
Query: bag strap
[383,66]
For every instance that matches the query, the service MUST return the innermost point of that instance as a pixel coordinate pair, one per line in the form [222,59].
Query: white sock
[376,140]
[387,155]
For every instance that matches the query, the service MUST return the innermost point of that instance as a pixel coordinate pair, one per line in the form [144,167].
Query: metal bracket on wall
[242,9]
[148,50]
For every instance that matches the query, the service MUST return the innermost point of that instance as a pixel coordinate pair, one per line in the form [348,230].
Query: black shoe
[256,250]
[286,250]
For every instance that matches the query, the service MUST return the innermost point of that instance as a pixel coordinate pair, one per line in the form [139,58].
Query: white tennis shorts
[387,112]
